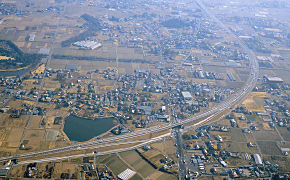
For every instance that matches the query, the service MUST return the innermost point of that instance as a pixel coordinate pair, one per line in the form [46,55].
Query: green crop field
[136,161]
[116,165]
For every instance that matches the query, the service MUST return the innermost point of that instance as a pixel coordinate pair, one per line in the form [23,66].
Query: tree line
[94,26]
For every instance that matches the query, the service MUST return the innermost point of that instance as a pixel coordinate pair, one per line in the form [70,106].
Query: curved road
[235,98]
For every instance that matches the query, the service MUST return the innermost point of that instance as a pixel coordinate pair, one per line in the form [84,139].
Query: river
[14,73]
[82,129]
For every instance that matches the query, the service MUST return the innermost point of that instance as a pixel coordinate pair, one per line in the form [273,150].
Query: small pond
[82,129]
[14,73]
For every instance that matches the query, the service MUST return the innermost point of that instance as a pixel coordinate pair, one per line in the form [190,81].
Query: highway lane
[156,139]
[145,142]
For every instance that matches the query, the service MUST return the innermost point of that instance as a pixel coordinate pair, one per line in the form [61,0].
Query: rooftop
[127,174]
[31,37]
[147,109]
[274,79]
[186,94]
[87,44]
[71,66]
[258,159]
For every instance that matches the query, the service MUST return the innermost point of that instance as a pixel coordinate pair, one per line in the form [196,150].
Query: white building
[31,37]
[127,174]
[258,159]
[186,96]
[274,79]
[90,45]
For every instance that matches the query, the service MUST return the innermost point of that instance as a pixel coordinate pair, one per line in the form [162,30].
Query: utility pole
[94,161]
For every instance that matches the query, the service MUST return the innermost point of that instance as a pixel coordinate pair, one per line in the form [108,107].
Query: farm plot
[140,165]
[267,135]
[269,147]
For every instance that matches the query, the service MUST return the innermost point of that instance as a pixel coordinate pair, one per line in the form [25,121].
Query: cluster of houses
[256,168]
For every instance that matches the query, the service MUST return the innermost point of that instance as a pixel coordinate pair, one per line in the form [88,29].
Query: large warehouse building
[186,96]
[90,45]
[274,79]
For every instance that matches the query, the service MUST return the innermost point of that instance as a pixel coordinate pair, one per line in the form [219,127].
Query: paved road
[180,153]
[40,89]
[147,142]
[238,97]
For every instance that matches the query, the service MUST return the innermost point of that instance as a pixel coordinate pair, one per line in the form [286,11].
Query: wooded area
[94,26]
[16,57]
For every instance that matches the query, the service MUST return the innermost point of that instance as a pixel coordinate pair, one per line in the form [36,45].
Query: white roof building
[258,159]
[31,37]
[223,163]
[87,44]
[186,95]
[275,79]
[127,174]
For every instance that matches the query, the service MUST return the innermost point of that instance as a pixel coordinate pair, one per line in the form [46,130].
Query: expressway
[147,142]
[234,99]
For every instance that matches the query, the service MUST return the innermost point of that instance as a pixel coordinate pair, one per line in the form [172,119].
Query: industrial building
[90,45]
[200,73]
[258,159]
[147,109]
[274,79]
[186,96]
[232,63]
[231,77]
[165,118]
[187,64]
